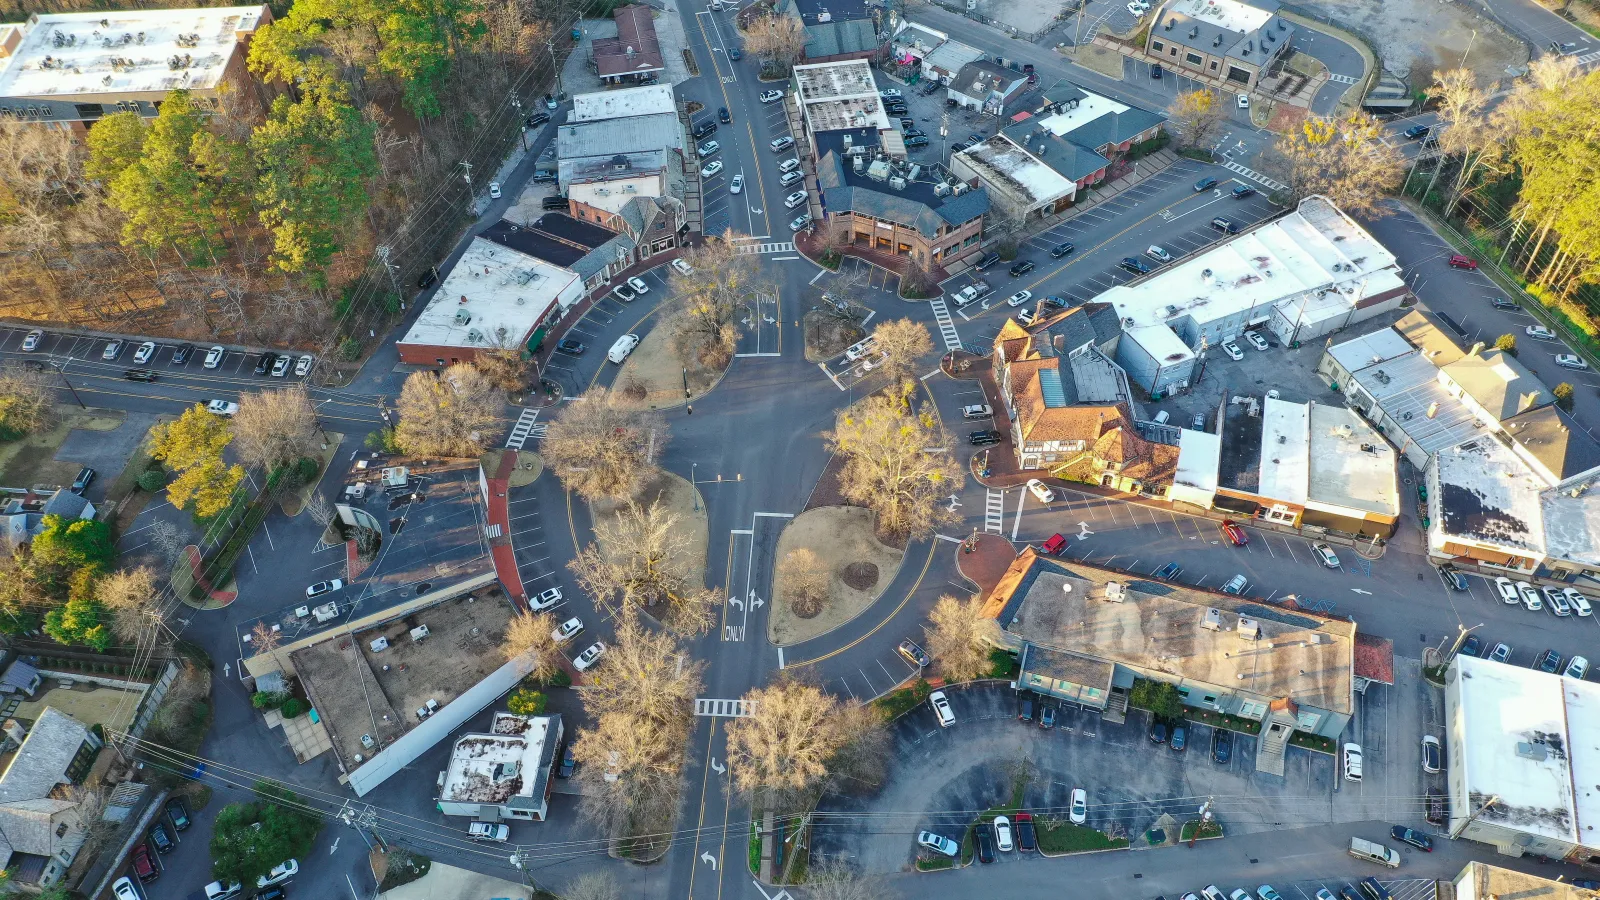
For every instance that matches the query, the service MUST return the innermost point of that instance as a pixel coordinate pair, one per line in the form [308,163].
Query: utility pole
[555,64]
[1456,832]
[468,178]
[62,371]
[686,397]
[521,122]
[1461,636]
[383,254]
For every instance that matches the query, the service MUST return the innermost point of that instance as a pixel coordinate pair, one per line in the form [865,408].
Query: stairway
[1116,708]
[1270,749]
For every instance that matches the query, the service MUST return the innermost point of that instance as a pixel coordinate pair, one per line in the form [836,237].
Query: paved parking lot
[85,354]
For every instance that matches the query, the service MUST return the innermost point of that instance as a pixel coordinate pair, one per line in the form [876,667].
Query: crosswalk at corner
[947,326]
[1253,175]
[1342,79]
[783,247]
[524,429]
[994,511]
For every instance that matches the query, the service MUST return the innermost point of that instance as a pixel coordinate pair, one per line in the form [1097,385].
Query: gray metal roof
[834,38]
[1255,47]
[843,190]
[610,137]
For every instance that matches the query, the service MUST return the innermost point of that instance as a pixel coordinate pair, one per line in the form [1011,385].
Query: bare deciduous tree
[601,452]
[711,299]
[276,427]
[1472,140]
[1346,160]
[506,365]
[167,539]
[1195,116]
[641,560]
[265,640]
[643,672]
[27,402]
[777,40]
[784,751]
[532,632]
[903,344]
[631,768]
[594,886]
[889,467]
[834,879]
[960,637]
[132,598]
[453,414]
[320,510]
[805,579]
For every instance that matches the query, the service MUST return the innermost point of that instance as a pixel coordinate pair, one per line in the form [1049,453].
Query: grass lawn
[1066,837]
[31,459]
[295,499]
[755,849]
[935,863]
[1211,830]
[897,703]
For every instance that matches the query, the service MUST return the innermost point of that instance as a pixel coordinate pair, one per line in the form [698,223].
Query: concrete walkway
[450,883]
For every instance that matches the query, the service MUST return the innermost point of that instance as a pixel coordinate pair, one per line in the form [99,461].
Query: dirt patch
[843,537]
[828,335]
[1100,59]
[861,576]
[1417,38]
[1286,117]
[681,498]
[653,375]
[31,460]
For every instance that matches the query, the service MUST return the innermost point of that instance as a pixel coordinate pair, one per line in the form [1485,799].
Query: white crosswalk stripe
[994,511]
[1253,175]
[1587,58]
[728,709]
[947,326]
[1342,79]
[784,247]
[523,428]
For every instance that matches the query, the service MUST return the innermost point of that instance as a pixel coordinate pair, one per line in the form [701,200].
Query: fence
[1067,12]
[151,701]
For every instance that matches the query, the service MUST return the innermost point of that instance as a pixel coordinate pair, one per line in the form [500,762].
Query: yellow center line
[755,148]
[694,864]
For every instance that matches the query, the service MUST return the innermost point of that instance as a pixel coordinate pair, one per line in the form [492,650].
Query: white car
[622,292]
[1079,813]
[638,285]
[1430,757]
[1256,340]
[217,890]
[1158,254]
[1002,834]
[789,178]
[1326,554]
[1530,597]
[1019,298]
[1235,585]
[771,96]
[938,843]
[1352,762]
[709,148]
[31,341]
[214,357]
[1580,603]
[1233,351]
[545,599]
[1244,101]
[941,708]
[489,831]
[1025,317]
[1541,333]
[1138,9]
[1568,361]
[112,350]
[794,199]
[737,185]
[1041,491]
[280,873]
[280,366]
[789,165]
[889,92]
[123,889]
[711,168]
[683,268]
[145,351]
[567,630]
[494,190]
[1557,599]
[221,407]
[589,656]
[1507,589]
[976,411]
[1577,667]
[303,365]
[324,587]
[802,221]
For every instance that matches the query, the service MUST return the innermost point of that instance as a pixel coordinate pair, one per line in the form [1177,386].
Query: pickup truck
[1372,851]
[971,293]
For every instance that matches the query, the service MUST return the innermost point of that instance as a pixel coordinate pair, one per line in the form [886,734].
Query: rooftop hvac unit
[860,164]
[824,16]
[474,336]
[961,188]
[1116,592]
[1212,620]
[463,317]
[897,183]
[941,190]
[849,139]
[1249,629]
[915,171]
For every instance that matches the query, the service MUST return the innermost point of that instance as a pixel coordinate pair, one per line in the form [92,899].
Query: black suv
[179,813]
[932,88]
[1548,662]
[1134,265]
[988,261]
[722,115]
[1221,744]
[984,438]
[160,838]
[1243,191]
[704,128]
[1021,268]
[265,362]
[554,201]
[1061,250]
[1417,132]
[537,119]
[84,479]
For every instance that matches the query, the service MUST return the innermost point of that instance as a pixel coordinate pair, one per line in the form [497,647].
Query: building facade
[1226,43]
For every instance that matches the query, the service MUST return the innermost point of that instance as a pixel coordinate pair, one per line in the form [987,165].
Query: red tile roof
[1374,658]
[636,29]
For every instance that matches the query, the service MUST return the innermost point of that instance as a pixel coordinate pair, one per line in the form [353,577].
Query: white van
[941,708]
[624,346]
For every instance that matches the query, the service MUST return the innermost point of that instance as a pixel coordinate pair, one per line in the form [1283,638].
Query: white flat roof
[1228,14]
[1557,722]
[1285,450]
[1001,160]
[1572,525]
[640,101]
[65,55]
[1199,454]
[493,768]
[505,294]
[1488,494]
[614,194]
[1352,466]
[1281,260]
[1370,349]
[1090,107]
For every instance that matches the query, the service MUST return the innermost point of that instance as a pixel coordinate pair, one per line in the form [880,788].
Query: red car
[1461,262]
[1235,535]
[1055,546]
[143,867]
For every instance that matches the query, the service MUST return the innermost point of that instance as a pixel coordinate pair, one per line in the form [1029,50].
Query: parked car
[682,268]
[1041,491]
[569,763]
[1224,225]
[1432,755]
[1265,892]
[489,831]
[280,366]
[1437,807]
[1501,652]
[264,362]
[1235,585]
[938,843]
[112,350]
[1235,534]
[537,119]
[1570,361]
[771,96]
[1326,555]
[554,201]
[160,838]
[913,654]
[1002,834]
[1502,303]
[1180,738]
[494,190]
[1025,836]
[1472,646]
[1256,341]
[624,293]
[302,366]
[1577,667]
[1463,262]
[84,478]
[1243,100]
[1047,721]
[1155,72]
[221,407]
[709,148]
[567,630]
[985,840]
[213,357]
[1243,191]
[1452,577]
[1530,597]
[1134,265]
[1221,744]
[1021,268]
[976,411]
[1233,351]
[31,341]
[1158,731]
[178,812]
[801,221]
[144,352]
[639,286]
[570,347]
[1548,662]
[1157,253]
[1540,333]
[794,199]
[1507,589]
[1557,601]
[545,599]
[1078,813]
[941,709]
[1061,249]
[1352,762]
[218,890]
[1580,603]
[1019,298]
[711,168]
[984,437]
[1169,572]
[589,656]
[1372,890]
[280,873]
[144,868]
[123,889]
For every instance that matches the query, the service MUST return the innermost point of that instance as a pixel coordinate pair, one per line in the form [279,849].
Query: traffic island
[857,566]
[983,558]
[829,334]
[677,497]
[1059,837]
[654,377]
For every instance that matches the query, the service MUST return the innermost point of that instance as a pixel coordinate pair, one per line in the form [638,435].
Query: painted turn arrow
[717,767]
[706,857]
[755,602]
[736,602]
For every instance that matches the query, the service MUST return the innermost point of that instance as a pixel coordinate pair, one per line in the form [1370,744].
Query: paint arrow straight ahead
[706,857]
[755,602]
[1360,591]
